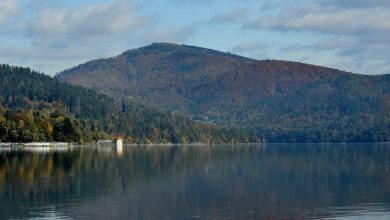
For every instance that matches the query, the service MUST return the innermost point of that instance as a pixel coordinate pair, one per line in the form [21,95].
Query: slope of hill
[36,107]
[279,100]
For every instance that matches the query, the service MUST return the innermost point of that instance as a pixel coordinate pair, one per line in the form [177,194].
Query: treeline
[278,134]
[36,107]
[355,109]
[36,125]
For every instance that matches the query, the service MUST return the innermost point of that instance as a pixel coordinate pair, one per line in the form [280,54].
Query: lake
[267,181]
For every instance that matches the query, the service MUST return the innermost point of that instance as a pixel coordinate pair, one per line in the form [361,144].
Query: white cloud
[91,22]
[352,17]
[351,21]
[52,36]
[356,30]
[355,3]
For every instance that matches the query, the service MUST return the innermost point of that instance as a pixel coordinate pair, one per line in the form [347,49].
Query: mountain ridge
[267,96]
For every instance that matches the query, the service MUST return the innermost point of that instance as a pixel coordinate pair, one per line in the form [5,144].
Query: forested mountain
[277,100]
[36,107]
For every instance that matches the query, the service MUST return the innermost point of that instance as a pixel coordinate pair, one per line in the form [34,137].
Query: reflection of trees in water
[284,180]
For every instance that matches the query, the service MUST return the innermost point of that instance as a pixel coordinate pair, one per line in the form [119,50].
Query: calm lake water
[276,181]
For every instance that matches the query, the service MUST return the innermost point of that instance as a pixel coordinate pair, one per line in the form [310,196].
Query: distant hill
[277,100]
[36,107]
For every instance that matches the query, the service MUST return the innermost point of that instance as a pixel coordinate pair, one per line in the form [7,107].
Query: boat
[37,144]
[40,149]
[44,147]
[105,141]
[5,144]
[60,144]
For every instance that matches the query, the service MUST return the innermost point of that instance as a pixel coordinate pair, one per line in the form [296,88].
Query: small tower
[119,146]
[118,142]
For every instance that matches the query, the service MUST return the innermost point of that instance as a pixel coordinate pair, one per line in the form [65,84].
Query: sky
[52,35]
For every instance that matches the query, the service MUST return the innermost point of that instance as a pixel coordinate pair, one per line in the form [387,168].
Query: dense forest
[278,101]
[36,107]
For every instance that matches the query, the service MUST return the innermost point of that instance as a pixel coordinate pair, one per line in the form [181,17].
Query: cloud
[52,36]
[231,16]
[98,25]
[331,21]
[355,3]
[354,47]
[8,8]
[355,30]
[91,22]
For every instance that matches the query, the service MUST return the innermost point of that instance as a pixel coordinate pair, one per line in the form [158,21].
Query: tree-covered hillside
[279,101]
[36,107]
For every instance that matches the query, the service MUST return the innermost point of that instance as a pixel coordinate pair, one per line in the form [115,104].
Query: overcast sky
[51,35]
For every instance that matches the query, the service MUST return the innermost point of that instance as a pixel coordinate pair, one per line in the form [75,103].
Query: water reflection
[201,182]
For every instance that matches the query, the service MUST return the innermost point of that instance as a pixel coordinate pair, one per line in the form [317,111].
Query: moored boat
[37,144]
[61,144]
[5,144]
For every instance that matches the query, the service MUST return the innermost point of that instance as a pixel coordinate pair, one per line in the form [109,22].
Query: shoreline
[63,144]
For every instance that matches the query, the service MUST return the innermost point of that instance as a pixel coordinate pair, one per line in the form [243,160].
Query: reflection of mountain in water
[238,182]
